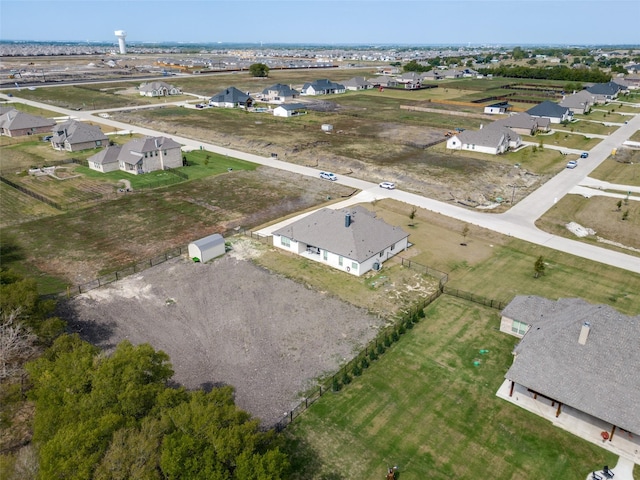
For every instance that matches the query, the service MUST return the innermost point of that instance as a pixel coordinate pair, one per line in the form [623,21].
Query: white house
[158,89]
[352,240]
[289,110]
[497,108]
[554,112]
[492,140]
[322,87]
[141,155]
[207,248]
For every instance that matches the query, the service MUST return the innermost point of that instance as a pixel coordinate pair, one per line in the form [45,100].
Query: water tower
[121,34]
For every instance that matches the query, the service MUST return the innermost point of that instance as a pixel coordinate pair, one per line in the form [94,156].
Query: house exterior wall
[513,327]
[454,143]
[282,112]
[20,132]
[494,110]
[161,159]
[207,253]
[336,261]
[76,147]
[104,168]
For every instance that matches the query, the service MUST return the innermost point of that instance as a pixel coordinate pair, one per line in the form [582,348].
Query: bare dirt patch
[228,322]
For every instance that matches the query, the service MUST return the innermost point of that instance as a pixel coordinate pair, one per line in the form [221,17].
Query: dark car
[584,155]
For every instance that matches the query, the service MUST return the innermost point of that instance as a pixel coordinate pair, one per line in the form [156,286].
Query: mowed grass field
[626,172]
[426,408]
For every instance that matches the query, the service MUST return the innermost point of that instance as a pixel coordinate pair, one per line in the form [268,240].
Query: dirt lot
[228,322]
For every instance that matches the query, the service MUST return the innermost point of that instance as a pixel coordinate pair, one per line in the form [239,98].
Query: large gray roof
[601,378]
[548,109]
[365,237]
[609,88]
[106,155]
[522,120]
[75,132]
[16,120]
[490,136]
[283,90]
[231,95]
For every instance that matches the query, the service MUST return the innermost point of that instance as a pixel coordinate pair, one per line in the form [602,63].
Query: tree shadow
[96,333]
[305,461]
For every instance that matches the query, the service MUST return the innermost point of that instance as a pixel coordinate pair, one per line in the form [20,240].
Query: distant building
[158,89]
[231,98]
[141,155]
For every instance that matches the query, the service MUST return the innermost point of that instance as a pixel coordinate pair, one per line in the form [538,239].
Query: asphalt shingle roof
[548,109]
[601,378]
[365,237]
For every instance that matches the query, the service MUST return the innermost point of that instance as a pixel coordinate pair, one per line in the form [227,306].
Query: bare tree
[17,344]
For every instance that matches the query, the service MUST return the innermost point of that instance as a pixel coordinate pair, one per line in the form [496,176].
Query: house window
[381,254]
[519,327]
[285,241]
[156,153]
[325,255]
[98,142]
[146,154]
[164,153]
[340,260]
[392,247]
[354,266]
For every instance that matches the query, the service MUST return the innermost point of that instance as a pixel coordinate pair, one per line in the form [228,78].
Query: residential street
[518,222]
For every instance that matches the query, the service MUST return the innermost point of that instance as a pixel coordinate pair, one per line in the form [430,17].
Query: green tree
[518,53]
[259,70]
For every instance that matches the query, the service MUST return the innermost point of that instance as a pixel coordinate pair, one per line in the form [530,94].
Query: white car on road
[572,164]
[328,176]
[388,185]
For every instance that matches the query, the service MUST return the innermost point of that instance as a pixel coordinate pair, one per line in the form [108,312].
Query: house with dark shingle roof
[554,112]
[352,240]
[140,155]
[576,354]
[322,87]
[74,136]
[14,123]
[289,110]
[279,93]
[605,92]
[231,98]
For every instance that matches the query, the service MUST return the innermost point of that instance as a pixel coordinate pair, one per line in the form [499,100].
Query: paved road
[518,222]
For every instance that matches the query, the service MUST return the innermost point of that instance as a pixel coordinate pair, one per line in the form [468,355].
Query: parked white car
[388,185]
[572,164]
[328,176]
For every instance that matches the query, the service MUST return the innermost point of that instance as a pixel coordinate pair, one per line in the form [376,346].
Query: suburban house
[384,81]
[137,156]
[524,124]
[289,110]
[605,92]
[352,240]
[579,103]
[279,93]
[322,87]
[158,89]
[231,98]
[452,73]
[14,123]
[432,75]
[578,355]
[74,136]
[497,108]
[358,83]
[554,112]
[410,78]
[491,139]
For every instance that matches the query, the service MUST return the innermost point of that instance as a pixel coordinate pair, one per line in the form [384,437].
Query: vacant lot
[623,169]
[229,322]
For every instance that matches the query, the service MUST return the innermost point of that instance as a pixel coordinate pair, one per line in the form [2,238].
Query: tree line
[560,73]
[111,416]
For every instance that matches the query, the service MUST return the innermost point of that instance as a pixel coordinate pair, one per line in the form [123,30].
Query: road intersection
[518,221]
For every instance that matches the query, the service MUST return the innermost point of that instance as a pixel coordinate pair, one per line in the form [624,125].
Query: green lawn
[618,172]
[426,408]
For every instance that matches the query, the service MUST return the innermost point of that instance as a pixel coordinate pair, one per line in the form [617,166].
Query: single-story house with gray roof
[579,103]
[231,98]
[358,83]
[322,87]
[576,354]
[605,92]
[14,123]
[551,110]
[74,136]
[352,240]
[523,123]
[491,139]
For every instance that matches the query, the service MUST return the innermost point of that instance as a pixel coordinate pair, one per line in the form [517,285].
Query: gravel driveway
[228,322]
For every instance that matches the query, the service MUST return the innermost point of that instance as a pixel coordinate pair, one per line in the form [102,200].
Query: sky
[338,22]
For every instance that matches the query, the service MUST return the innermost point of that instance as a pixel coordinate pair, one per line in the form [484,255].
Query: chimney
[584,333]
[347,220]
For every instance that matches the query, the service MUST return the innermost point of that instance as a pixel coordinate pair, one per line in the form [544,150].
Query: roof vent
[584,333]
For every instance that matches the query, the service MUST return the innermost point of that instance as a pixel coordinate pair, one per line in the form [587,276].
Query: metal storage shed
[207,248]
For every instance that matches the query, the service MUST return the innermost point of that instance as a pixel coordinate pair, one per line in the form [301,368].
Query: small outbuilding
[207,248]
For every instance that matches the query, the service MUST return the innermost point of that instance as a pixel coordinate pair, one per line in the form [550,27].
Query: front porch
[585,426]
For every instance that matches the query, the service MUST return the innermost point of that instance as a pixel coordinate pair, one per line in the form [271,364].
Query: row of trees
[560,73]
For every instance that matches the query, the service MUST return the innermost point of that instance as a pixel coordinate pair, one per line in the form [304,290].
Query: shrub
[394,336]
[346,378]
[364,363]
[387,341]
[373,355]
[335,385]
[356,370]
[380,349]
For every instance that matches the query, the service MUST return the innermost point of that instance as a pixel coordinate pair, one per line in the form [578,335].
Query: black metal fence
[442,277]
[31,193]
